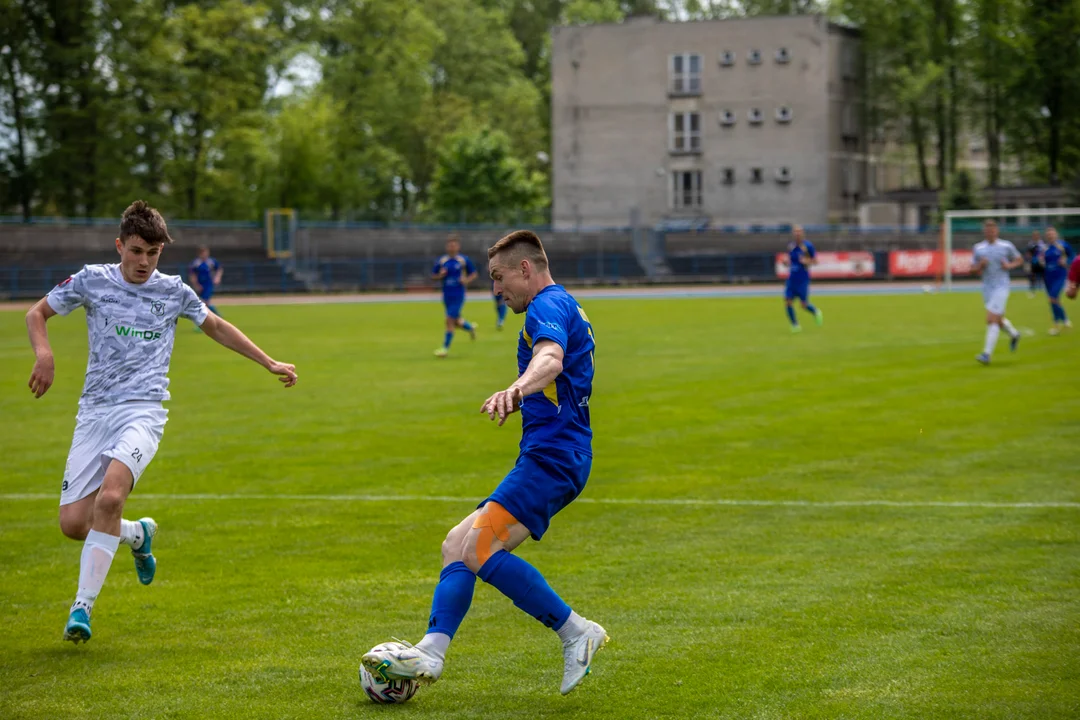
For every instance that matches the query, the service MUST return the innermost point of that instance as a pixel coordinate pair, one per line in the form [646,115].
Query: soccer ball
[391,691]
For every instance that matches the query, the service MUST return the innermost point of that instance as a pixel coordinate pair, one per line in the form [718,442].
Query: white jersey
[994,277]
[132,328]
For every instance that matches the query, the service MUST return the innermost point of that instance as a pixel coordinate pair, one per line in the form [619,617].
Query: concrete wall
[41,244]
[611,104]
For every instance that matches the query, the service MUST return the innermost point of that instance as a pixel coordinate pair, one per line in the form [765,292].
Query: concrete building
[747,121]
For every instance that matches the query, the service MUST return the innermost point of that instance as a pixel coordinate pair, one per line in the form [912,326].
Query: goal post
[1041,214]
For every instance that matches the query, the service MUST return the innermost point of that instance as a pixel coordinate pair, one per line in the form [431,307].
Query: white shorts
[129,432]
[996,300]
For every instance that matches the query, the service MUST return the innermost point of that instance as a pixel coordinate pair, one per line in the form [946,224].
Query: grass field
[728,539]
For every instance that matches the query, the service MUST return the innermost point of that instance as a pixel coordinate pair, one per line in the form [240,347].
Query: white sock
[992,332]
[435,644]
[574,626]
[1009,327]
[131,533]
[97,556]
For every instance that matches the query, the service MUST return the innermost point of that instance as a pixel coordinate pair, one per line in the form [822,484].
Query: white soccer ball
[387,691]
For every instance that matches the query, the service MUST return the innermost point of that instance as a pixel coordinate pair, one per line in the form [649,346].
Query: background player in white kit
[994,258]
[131,313]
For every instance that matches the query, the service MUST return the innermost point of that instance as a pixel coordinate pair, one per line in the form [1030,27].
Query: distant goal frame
[951,215]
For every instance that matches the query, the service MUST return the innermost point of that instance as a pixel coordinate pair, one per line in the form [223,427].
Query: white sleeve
[1013,252]
[191,307]
[69,294]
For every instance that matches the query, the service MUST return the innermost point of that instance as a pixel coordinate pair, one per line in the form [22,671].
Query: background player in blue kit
[1056,258]
[801,255]
[204,274]
[454,271]
[500,308]
[552,391]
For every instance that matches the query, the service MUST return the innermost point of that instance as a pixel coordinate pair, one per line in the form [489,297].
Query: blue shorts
[1054,285]
[453,306]
[541,484]
[205,296]
[796,288]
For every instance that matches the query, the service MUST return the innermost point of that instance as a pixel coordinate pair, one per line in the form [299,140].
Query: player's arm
[1014,262]
[193,281]
[218,273]
[439,271]
[227,334]
[41,377]
[545,366]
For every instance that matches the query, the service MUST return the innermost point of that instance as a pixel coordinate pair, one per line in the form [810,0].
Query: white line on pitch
[690,502]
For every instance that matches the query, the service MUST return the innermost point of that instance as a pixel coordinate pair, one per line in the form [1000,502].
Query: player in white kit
[131,314]
[994,258]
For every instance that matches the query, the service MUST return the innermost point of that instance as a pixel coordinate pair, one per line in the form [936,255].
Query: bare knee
[74,527]
[470,555]
[452,548]
[110,502]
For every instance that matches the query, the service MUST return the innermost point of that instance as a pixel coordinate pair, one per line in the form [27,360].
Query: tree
[478,179]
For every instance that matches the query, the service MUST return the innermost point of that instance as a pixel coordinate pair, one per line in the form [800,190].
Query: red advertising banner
[833,265]
[927,263]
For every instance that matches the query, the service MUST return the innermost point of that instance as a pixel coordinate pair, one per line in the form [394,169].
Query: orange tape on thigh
[493,523]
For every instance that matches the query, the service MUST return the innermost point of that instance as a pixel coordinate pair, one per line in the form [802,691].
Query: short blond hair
[522,244]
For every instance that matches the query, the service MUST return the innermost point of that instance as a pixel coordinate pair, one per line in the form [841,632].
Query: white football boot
[578,653]
[402,661]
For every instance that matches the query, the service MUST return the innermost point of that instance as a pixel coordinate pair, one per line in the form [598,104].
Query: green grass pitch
[265,601]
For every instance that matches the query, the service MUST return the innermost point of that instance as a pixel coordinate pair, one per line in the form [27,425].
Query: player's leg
[102,541]
[495,534]
[469,327]
[993,330]
[500,312]
[789,297]
[804,300]
[449,324]
[449,605]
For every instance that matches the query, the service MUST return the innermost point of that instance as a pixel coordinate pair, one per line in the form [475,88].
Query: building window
[727,59]
[783,56]
[783,114]
[727,118]
[849,127]
[754,116]
[851,178]
[754,57]
[848,57]
[686,190]
[756,175]
[686,74]
[727,176]
[783,175]
[685,132]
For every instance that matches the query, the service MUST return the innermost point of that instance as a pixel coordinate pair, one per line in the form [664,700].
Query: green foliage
[477,178]
[962,194]
[180,102]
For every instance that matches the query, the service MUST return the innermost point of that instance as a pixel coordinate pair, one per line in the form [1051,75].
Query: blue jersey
[1052,257]
[457,267]
[204,271]
[800,272]
[558,416]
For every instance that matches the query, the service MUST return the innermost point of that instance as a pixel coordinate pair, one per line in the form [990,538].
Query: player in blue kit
[455,271]
[1056,259]
[552,391]
[500,309]
[801,255]
[204,274]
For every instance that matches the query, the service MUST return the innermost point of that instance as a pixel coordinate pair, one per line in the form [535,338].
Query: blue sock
[466,326]
[522,583]
[811,309]
[447,339]
[1058,312]
[453,595]
[502,313]
[791,315]
[1061,309]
